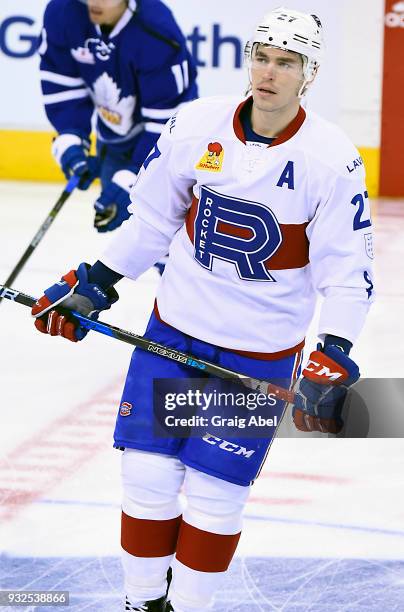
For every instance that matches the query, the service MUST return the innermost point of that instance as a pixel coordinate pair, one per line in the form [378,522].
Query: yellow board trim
[371,159]
[26,156]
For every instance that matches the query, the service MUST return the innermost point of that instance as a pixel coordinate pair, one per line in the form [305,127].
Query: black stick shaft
[163,351]
[71,185]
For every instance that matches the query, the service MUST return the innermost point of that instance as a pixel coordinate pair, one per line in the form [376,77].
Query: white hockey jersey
[253,231]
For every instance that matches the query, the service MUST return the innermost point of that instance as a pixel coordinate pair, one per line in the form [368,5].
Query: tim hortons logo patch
[212,160]
[125,409]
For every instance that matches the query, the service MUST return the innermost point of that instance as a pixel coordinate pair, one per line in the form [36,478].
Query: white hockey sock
[145,579]
[191,591]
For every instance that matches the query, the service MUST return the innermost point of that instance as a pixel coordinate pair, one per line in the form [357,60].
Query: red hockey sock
[148,538]
[204,551]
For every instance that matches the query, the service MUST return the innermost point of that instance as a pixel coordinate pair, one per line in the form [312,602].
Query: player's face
[106,12]
[276,77]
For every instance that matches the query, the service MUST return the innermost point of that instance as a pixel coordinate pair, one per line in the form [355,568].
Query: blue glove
[111,208]
[71,152]
[322,390]
[72,292]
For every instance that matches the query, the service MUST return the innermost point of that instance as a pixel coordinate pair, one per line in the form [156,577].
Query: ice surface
[324,528]
[253,584]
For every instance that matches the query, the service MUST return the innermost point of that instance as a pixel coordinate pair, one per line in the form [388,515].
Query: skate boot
[168,607]
[157,605]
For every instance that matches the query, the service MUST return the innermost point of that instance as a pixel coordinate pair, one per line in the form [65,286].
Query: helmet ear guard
[291,31]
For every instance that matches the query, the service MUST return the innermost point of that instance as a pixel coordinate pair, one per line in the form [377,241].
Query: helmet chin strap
[304,88]
[249,88]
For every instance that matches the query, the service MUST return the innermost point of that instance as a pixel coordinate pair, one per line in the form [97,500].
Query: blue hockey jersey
[134,76]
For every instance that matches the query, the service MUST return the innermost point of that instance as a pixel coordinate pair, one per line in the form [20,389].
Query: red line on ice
[37,471]
[326,479]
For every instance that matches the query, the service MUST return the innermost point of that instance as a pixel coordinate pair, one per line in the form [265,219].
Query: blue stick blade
[72,183]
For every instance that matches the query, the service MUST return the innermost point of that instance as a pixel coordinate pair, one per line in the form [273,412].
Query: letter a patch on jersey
[212,160]
[287,176]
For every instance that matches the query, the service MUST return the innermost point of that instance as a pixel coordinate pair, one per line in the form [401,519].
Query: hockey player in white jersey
[125,60]
[262,208]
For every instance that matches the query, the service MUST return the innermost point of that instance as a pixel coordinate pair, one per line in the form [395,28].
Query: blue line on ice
[247,516]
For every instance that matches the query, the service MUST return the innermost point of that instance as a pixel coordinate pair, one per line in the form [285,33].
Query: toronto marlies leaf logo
[114,111]
[93,48]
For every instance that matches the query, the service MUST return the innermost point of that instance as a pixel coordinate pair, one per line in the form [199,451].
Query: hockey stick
[145,344]
[71,185]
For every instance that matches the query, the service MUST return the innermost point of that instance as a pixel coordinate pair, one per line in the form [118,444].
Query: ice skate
[157,605]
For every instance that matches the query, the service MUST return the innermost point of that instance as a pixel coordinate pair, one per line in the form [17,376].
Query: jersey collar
[123,22]
[287,133]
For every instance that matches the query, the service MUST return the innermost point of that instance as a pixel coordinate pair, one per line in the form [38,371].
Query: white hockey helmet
[291,31]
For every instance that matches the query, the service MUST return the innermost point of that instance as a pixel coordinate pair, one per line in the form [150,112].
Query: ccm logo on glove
[322,390]
[324,370]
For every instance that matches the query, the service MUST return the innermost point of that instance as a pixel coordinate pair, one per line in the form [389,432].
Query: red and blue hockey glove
[322,390]
[111,208]
[72,292]
[71,153]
